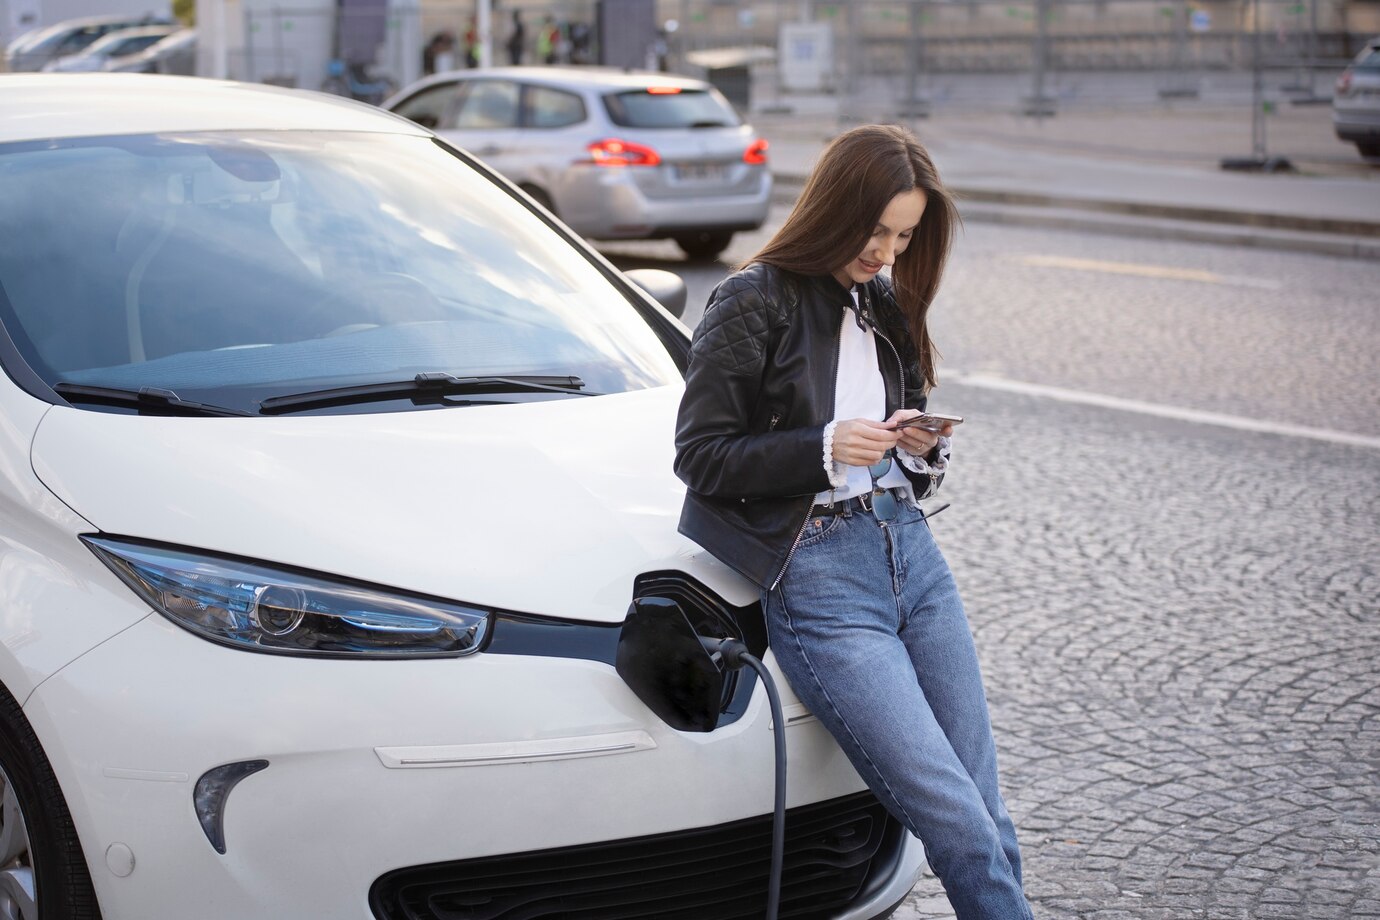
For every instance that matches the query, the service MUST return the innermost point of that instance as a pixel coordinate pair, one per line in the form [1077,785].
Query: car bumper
[603,203]
[376,766]
[1357,125]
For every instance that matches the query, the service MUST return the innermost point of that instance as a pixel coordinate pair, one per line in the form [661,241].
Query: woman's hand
[862,442]
[916,440]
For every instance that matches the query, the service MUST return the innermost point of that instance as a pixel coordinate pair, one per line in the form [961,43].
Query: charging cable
[733,655]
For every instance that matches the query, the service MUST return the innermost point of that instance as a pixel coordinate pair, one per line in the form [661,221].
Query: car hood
[549,507]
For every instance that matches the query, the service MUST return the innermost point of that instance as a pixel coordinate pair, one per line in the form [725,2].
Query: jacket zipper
[833,386]
[901,380]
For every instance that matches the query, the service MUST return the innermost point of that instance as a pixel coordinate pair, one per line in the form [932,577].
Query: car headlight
[264,608]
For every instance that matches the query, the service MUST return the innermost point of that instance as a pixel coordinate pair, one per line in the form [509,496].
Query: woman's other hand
[863,442]
[916,440]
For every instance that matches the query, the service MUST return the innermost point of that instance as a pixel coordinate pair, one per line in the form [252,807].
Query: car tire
[540,197]
[42,871]
[1368,150]
[704,245]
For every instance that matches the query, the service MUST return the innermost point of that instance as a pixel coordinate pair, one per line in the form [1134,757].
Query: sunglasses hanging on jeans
[885,505]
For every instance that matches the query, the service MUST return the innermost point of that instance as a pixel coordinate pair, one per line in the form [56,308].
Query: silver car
[118,44]
[615,155]
[173,54]
[32,50]
[1356,101]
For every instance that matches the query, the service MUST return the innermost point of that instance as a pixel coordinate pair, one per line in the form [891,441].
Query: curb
[1338,245]
[1279,232]
[1175,212]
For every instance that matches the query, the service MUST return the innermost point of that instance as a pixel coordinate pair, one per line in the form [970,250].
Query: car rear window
[1369,61]
[670,107]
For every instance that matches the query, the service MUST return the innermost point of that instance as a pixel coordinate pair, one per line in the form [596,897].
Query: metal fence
[920,52]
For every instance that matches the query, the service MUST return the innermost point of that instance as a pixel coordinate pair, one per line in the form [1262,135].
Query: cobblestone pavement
[1178,630]
[1177,622]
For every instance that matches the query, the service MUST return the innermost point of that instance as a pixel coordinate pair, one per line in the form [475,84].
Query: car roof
[180,37]
[111,39]
[73,25]
[44,106]
[593,78]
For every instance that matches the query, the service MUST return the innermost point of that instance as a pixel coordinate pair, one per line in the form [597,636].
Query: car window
[670,107]
[1368,60]
[234,268]
[429,107]
[38,41]
[130,45]
[489,104]
[81,38]
[553,108]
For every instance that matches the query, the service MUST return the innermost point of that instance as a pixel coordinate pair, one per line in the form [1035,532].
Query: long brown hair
[855,179]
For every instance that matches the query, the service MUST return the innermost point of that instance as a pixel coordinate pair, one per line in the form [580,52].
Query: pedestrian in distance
[548,40]
[517,39]
[804,368]
[472,44]
[439,54]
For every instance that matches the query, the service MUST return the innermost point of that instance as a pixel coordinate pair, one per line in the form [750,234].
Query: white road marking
[1149,271]
[1178,413]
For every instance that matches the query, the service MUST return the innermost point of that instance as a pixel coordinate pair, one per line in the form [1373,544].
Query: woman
[805,363]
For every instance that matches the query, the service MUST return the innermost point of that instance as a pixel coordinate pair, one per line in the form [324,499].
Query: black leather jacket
[758,395]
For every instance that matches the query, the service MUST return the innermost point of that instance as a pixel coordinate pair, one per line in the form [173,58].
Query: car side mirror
[666,288]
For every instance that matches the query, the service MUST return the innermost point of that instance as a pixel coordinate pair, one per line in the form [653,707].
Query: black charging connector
[732,655]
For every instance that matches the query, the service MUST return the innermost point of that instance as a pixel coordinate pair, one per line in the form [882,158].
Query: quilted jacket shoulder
[742,312]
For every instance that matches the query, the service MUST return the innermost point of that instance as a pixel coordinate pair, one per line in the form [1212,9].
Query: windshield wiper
[423,386]
[152,399]
[710,124]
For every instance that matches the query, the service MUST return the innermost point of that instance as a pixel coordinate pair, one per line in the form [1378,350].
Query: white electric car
[331,468]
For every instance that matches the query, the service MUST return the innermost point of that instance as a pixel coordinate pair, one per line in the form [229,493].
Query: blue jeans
[868,627]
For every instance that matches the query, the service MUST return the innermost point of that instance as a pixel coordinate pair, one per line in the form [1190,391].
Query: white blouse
[860,392]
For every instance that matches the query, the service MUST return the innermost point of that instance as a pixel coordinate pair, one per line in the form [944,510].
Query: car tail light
[756,154]
[613,152]
[1344,82]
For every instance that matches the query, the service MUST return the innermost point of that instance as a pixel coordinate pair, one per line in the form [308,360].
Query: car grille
[833,849]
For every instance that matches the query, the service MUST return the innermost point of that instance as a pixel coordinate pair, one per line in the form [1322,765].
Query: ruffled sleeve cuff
[837,472]
[932,465]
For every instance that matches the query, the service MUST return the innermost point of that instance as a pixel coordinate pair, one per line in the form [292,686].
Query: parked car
[615,155]
[172,54]
[331,468]
[109,47]
[1356,101]
[32,50]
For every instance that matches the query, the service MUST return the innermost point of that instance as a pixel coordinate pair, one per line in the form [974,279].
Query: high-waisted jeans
[868,627]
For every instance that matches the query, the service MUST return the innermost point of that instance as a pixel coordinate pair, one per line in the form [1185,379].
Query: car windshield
[234,268]
[1368,60]
[670,107]
[117,45]
[39,39]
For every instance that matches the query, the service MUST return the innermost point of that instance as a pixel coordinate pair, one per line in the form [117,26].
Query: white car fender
[49,581]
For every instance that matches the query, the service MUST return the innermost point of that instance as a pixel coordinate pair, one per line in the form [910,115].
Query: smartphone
[930,421]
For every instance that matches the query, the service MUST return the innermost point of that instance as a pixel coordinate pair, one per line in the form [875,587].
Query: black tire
[1369,150]
[704,244]
[36,829]
[540,197]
